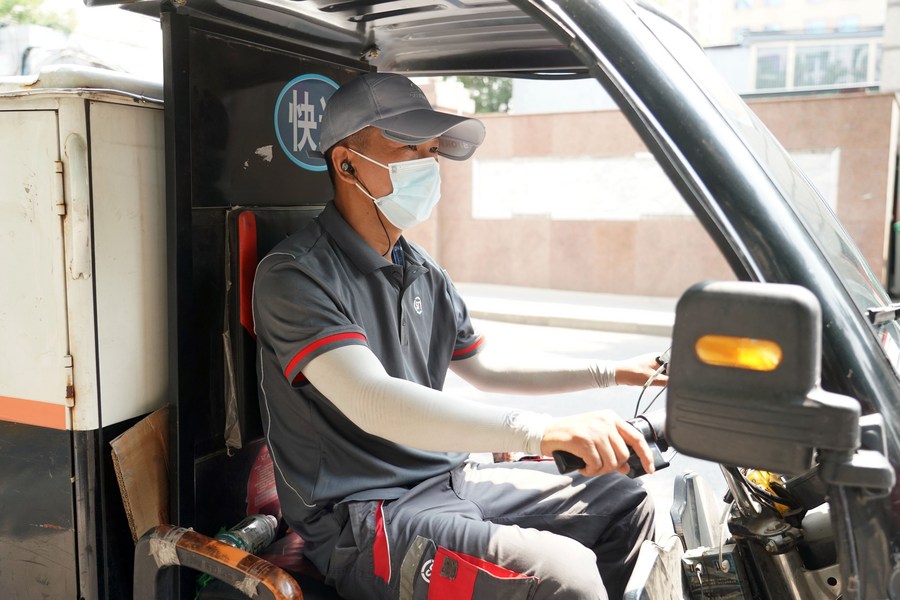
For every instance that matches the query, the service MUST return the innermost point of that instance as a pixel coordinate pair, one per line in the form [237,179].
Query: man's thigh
[611,514]
[513,531]
[535,494]
[486,561]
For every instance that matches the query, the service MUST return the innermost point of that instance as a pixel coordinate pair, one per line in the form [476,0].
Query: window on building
[742,4]
[771,68]
[848,23]
[829,65]
[815,26]
[877,57]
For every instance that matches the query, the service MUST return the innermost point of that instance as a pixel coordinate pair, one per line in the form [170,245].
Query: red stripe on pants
[382,550]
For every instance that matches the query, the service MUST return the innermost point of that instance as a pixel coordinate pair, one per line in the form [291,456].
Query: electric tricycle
[133,214]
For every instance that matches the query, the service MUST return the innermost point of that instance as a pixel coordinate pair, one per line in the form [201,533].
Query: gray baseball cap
[400,109]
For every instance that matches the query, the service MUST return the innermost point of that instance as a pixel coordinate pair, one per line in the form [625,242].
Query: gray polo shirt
[324,288]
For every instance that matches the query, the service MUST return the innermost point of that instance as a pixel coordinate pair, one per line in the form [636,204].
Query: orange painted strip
[32,412]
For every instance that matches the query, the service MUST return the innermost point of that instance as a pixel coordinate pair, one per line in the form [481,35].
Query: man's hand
[601,439]
[637,370]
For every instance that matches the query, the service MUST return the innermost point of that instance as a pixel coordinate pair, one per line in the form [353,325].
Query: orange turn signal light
[738,352]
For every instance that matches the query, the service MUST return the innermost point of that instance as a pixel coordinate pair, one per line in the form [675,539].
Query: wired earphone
[348,168]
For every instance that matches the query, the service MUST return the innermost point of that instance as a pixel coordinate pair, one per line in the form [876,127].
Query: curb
[575,310]
[661,329]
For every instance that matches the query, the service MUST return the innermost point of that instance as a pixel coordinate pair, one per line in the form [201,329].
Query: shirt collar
[410,253]
[362,254]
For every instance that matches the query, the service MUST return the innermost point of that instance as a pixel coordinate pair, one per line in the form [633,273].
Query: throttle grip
[650,426]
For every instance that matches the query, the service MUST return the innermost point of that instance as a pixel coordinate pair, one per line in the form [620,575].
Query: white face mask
[417,189]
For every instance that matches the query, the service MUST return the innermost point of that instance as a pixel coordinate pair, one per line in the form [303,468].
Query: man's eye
[412,147]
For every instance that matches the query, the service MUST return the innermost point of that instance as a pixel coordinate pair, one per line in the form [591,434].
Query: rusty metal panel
[37,527]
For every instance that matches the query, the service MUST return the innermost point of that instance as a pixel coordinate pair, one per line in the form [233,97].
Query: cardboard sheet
[141,461]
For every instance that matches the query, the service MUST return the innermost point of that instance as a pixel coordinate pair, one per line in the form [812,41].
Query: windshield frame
[747,213]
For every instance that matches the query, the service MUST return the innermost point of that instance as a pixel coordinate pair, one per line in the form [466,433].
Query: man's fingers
[593,461]
[611,453]
[600,439]
[639,369]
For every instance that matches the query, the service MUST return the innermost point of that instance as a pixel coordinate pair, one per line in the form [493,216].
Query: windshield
[842,253]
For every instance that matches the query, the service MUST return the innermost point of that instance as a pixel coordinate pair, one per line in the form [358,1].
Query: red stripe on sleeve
[318,344]
[382,550]
[472,347]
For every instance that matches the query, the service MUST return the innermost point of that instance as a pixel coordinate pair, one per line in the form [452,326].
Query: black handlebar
[651,426]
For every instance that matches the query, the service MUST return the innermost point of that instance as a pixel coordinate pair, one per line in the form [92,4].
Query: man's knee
[618,495]
[568,571]
[644,510]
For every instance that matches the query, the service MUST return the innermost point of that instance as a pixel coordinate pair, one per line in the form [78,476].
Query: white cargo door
[129,216]
[33,322]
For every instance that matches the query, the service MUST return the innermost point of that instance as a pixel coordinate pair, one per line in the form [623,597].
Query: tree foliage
[491,94]
[33,12]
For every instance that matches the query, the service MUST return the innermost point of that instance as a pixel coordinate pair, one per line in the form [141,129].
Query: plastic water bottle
[252,534]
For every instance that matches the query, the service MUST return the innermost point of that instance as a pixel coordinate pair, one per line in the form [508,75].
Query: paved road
[550,341]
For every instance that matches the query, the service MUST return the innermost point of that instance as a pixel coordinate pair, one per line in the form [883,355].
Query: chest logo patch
[417,305]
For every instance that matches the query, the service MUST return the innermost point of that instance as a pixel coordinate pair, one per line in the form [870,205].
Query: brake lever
[663,361]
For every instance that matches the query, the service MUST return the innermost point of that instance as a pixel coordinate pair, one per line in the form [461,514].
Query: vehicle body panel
[84,319]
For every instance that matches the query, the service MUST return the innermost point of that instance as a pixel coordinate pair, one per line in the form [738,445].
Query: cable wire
[648,383]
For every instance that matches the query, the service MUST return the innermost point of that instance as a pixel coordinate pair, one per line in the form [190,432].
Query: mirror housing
[744,379]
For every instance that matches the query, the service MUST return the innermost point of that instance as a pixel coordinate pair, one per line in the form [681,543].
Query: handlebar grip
[650,426]
[566,462]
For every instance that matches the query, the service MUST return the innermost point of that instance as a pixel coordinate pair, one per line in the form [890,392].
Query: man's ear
[342,165]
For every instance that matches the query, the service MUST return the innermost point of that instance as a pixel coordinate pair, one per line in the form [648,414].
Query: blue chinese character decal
[298,113]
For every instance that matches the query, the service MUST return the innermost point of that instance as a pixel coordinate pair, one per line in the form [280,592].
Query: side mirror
[744,379]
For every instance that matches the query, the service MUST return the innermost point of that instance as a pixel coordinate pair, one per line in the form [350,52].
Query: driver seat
[280,571]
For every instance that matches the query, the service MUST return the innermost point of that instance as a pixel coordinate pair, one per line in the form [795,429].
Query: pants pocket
[457,576]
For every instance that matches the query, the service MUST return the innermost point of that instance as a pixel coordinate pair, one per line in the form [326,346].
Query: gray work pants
[495,532]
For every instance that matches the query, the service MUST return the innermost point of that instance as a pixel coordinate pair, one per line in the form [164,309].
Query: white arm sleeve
[407,413]
[497,372]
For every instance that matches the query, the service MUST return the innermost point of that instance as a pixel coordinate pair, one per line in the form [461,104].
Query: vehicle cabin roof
[415,37]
